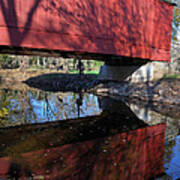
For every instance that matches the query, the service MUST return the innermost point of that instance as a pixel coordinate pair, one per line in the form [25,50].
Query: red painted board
[133,155]
[132,28]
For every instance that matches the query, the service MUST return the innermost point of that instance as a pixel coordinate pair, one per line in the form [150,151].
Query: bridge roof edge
[170,3]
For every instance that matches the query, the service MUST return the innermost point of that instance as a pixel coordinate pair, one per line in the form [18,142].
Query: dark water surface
[46,135]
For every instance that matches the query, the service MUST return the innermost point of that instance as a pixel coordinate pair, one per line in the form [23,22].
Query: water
[46,135]
[33,106]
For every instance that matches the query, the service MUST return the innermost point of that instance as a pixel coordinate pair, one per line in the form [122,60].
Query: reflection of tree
[4,111]
[79,102]
[168,151]
[176,23]
[34,106]
[17,105]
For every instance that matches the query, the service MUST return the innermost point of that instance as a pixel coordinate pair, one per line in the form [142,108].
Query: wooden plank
[131,28]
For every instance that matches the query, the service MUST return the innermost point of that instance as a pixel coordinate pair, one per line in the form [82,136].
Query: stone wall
[161,69]
[142,72]
[175,56]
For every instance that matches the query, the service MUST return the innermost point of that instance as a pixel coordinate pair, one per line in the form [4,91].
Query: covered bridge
[90,29]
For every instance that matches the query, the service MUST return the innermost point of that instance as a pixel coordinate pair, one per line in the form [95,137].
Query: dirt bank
[164,91]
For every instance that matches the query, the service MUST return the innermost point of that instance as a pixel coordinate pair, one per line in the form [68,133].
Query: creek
[67,135]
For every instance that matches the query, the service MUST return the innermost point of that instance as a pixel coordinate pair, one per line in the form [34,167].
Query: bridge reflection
[99,147]
[113,145]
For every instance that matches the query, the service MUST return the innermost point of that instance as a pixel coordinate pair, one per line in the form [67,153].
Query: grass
[172,76]
[85,72]
[71,71]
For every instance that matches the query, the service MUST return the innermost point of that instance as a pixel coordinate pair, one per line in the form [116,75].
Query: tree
[176,19]
[176,23]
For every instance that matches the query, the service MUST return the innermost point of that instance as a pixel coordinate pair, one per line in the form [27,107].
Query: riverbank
[165,91]
[162,91]
[162,96]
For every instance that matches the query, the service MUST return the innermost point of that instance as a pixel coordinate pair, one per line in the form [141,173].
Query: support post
[141,72]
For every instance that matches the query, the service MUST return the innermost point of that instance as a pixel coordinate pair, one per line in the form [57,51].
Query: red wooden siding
[132,28]
[136,154]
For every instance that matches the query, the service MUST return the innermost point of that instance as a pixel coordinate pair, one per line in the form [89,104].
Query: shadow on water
[63,82]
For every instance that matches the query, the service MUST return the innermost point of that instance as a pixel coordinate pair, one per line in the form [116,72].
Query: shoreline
[163,91]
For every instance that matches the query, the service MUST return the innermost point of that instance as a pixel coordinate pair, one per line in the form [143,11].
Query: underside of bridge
[103,30]
[121,60]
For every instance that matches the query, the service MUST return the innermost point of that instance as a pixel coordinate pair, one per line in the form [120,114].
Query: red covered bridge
[91,28]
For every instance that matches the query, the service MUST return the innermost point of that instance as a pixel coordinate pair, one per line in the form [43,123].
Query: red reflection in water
[137,154]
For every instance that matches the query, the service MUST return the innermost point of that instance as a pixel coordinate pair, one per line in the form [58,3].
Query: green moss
[172,76]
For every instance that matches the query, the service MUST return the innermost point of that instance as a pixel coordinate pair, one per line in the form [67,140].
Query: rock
[103,90]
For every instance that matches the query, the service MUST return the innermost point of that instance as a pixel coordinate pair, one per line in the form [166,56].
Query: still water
[46,135]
